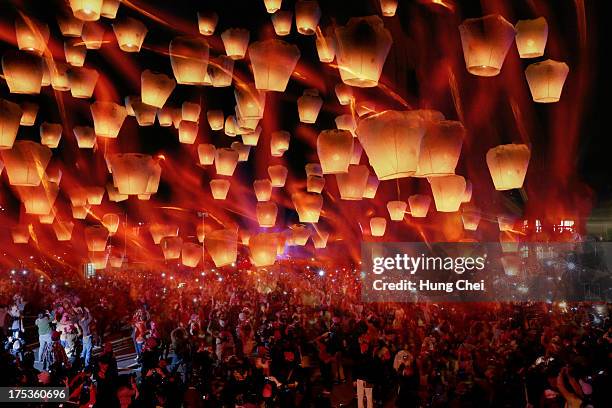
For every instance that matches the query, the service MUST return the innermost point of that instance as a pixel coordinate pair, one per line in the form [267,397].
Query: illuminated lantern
[38,200]
[109,10]
[145,114]
[31,35]
[219,188]
[78,197]
[111,222]
[263,189]
[272,5]
[164,116]
[54,175]
[392,141]
[243,151]
[319,238]
[344,93]
[448,192]
[509,241]
[485,42]
[171,247]
[63,230]
[334,148]
[46,79]
[273,62]
[266,213]
[130,34]
[98,259]
[191,111]
[282,21]
[93,36]
[159,231]
[82,82]
[346,122]
[80,212]
[307,15]
[325,48]
[10,118]
[245,125]
[467,195]
[546,80]
[222,246]
[263,248]
[153,182]
[188,131]
[388,7]
[132,171]
[440,149]
[26,162]
[207,22]
[69,25]
[278,175]
[279,143]
[144,197]
[235,41]
[226,161]
[506,223]
[250,101]
[46,219]
[531,37]
[206,154]
[308,206]
[315,184]
[128,101]
[397,209]
[471,218]
[28,116]
[191,254]
[75,53]
[86,10]
[356,156]
[371,187]
[85,136]
[245,237]
[95,195]
[361,50]
[221,71]
[378,225]
[512,265]
[115,261]
[155,88]
[59,76]
[108,118]
[215,119]
[23,72]
[352,184]
[508,165]
[189,59]
[419,205]
[96,237]
[365,108]
[177,116]
[230,126]
[300,234]
[309,105]
[313,169]
[114,195]
[20,234]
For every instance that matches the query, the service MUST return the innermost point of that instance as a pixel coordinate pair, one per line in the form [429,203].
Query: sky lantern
[419,205]
[245,237]
[96,237]
[131,172]
[164,116]
[235,41]
[86,10]
[506,222]
[356,155]
[23,72]
[191,254]
[467,195]
[98,259]
[10,119]
[315,184]
[344,93]
[63,230]
[397,209]
[221,71]
[191,111]
[308,206]
[263,249]
[114,195]
[273,62]
[93,35]
[508,165]
[46,219]
[79,212]
[392,141]
[20,234]
[95,195]
[75,53]
[319,238]
[352,184]
[313,169]
[263,189]
[39,200]
[388,7]
[346,122]
[216,119]
[242,149]
[371,187]
[219,188]
[29,113]
[447,192]
[250,101]
[188,131]
[109,8]
[59,76]
[82,82]
[486,41]
[309,105]
[378,225]
[230,126]
[546,80]
[272,5]
[155,88]
[307,16]
[115,261]
[26,162]
[159,231]
[334,148]
[279,143]
[365,108]
[207,22]
[440,149]
[361,50]
[222,246]
[78,196]
[108,118]
[278,175]
[471,218]
[266,213]
[531,37]
[300,234]
[189,60]
[145,114]
[69,25]
[171,247]
[282,21]
[111,222]
[50,134]
[226,161]
[326,49]
[206,154]
[54,174]
[31,35]
[130,34]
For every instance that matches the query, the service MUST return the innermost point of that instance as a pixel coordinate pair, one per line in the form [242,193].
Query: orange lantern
[365,108]
[46,219]
[299,234]
[155,88]
[467,195]
[114,195]
[23,72]
[307,16]
[93,36]
[191,254]
[207,22]
[226,161]
[282,21]
[159,231]
[266,213]
[243,151]
[215,119]
[308,206]
[63,230]
[96,237]
[188,131]
[335,148]
[371,187]
[263,248]
[313,169]
[171,247]
[279,143]
[108,118]
[263,189]
[130,34]
[38,200]
[508,165]
[191,111]
[78,196]
[206,154]
[506,223]
[546,80]
[397,209]
[145,114]
[273,62]
[278,175]
[222,246]
[485,42]
[378,225]
[319,238]
[235,41]
[80,212]
[95,195]
[164,116]
[221,71]
[315,184]
[245,237]
[26,162]
[115,261]
[250,101]
[82,82]
[109,10]
[29,113]
[419,205]
[189,59]
[132,172]
[20,234]
[31,35]
[344,93]
[69,25]
[59,76]
[75,52]
[352,184]
[219,188]
[471,218]
[111,222]
[326,48]
[356,156]
[531,37]
[99,259]
[440,149]
[346,122]
[10,118]
[231,126]
[309,105]
[272,5]
[86,10]
[388,7]
[448,192]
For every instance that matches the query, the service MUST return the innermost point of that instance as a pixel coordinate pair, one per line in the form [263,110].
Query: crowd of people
[293,340]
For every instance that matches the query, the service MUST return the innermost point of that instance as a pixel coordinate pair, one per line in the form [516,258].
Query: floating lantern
[352,184]
[335,148]
[273,62]
[279,143]
[313,169]
[54,175]
[344,94]
[188,131]
[263,189]
[512,265]
[361,50]
[546,80]
[155,88]
[78,196]
[93,36]
[86,10]
[371,187]
[144,197]
[69,25]
[164,116]
[222,246]
[356,156]
[219,188]
[397,209]
[206,154]
[245,125]
[308,206]
[221,71]
[307,15]
[63,230]
[59,76]
[28,116]
[108,118]
[31,35]
[111,222]
[388,7]
[10,118]
[272,5]
[82,82]
[171,247]
[419,205]
[46,219]
[191,254]
[98,259]
[38,200]
[315,184]
[189,59]
[245,237]
[226,161]
[309,105]
[508,165]
[326,48]
[506,223]
[392,141]
[215,119]
[26,162]
[263,248]
[191,111]
[282,21]
[95,195]
[23,72]
[243,151]
[346,122]
[467,195]
[440,149]
[235,41]
[109,9]
[20,234]
[299,234]
[115,261]
[471,218]
[365,108]
[132,171]
[266,214]
[278,175]
[80,212]
[250,101]
[75,53]
[96,237]
[531,37]
[319,238]
[145,114]
[485,43]
[448,192]
[130,34]
[378,225]
[207,22]
[231,126]
[114,195]
[159,231]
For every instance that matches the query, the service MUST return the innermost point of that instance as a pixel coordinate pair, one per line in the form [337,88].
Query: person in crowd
[43,323]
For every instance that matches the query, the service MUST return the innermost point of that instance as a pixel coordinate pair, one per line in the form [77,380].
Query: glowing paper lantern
[221,71]
[50,134]
[315,184]
[392,141]
[266,214]
[222,246]
[361,50]
[164,116]
[263,249]
[189,60]
[115,261]
[38,200]
[93,35]
[506,223]
[334,148]
[263,189]
[440,149]
[206,154]
[145,114]
[471,218]
[108,118]
[132,171]
[243,151]
[31,35]
[29,113]
[191,111]
[191,254]
[388,7]
[219,188]
[80,212]
[111,222]
[159,231]
[226,161]
[10,118]
[397,209]
[69,25]
[485,42]
[509,241]
[352,184]
[308,206]
[63,230]
[230,126]
[188,131]
[251,138]
[371,187]
[546,80]
[46,219]
[282,21]
[309,105]
[273,62]
[250,101]
[114,195]
[278,175]
[508,165]
[344,93]
[378,225]
[235,41]
[326,48]
[171,247]
[319,238]
[419,205]
[98,259]
[23,72]
[467,195]
[26,162]
[215,119]
[130,34]
[207,22]
[75,53]
[155,88]
[299,234]
[82,82]
[448,192]
[86,10]
[59,76]
[279,143]
[95,195]
[307,15]
[78,196]
[109,9]
[272,5]
[96,237]
[531,37]
[313,169]
[20,234]
[346,122]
